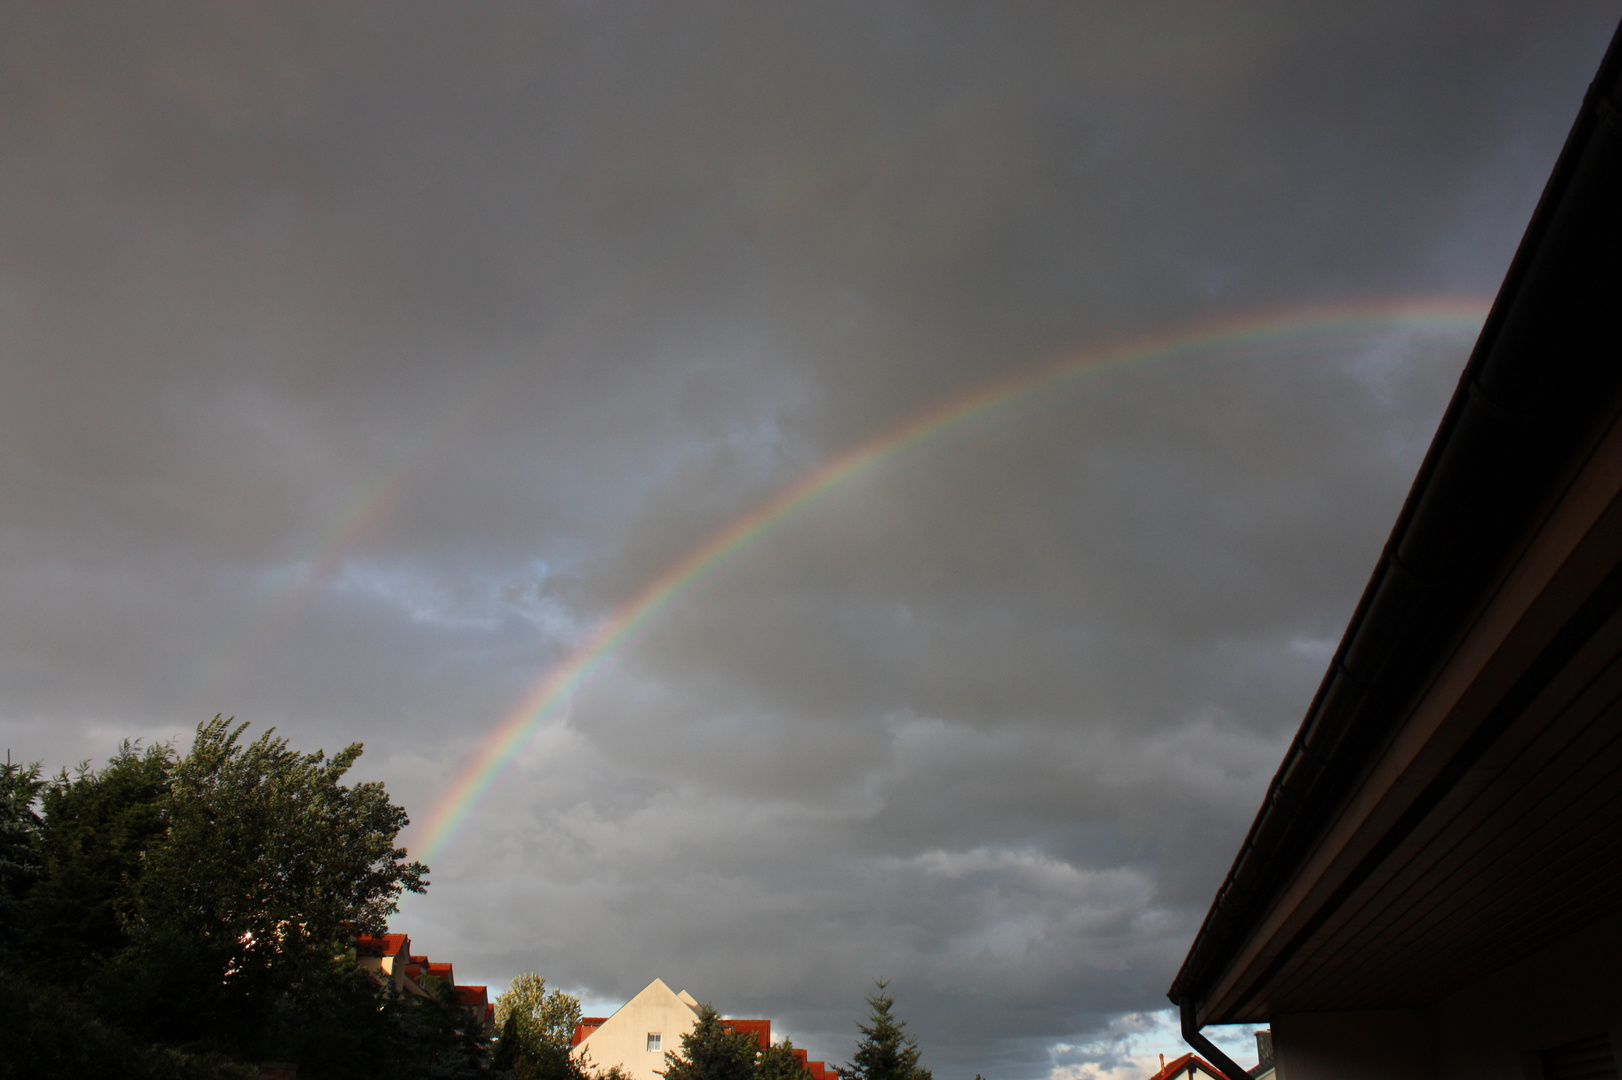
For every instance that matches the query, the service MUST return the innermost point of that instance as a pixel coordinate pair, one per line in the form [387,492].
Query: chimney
[1264,1049]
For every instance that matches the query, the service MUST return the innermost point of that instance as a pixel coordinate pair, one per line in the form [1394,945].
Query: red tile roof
[1180,1067]
[819,1070]
[387,945]
[760,1029]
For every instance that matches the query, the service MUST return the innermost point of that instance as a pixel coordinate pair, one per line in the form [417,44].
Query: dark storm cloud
[358,359]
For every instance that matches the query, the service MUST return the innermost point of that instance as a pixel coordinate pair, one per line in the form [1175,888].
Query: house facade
[636,1037]
[639,1034]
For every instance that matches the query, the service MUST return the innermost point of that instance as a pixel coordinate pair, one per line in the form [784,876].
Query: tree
[885,1052]
[712,1051]
[50,1034]
[537,1031]
[19,849]
[97,824]
[778,1062]
[509,1044]
[435,1038]
[539,1019]
[246,904]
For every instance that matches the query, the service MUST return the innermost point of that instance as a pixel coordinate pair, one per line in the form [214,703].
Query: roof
[819,1070]
[586,1026]
[387,945]
[1450,803]
[1187,1065]
[760,1029]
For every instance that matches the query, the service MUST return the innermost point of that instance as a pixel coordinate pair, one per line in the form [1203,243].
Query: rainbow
[507,737]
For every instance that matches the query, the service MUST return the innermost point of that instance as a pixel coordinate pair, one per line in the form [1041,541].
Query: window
[655,1041]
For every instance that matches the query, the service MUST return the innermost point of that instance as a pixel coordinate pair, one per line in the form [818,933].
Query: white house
[636,1037]
[644,1029]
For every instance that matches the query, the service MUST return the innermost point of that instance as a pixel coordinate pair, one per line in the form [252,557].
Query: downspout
[1191,1035]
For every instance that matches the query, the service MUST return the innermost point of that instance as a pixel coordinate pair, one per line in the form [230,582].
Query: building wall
[1384,1044]
[1491,1030]
[623,1038]
[1495,1028]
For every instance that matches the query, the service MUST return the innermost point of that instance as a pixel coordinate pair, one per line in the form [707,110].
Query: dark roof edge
[1513,423]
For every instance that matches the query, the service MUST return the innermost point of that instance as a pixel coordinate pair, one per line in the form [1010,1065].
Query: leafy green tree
[712,1051]
[96,826]
[19,849]
[439,1037]
[539,1018]
[778,1062]
[537,1029]
[246,904]
[885,1052]
[552,1063]
[49,1034]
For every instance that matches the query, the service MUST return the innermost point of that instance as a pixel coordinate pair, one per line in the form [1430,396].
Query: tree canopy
[266,869]
[97,825]
[537,1029]
[206,906]
[19,849]
[539,1018]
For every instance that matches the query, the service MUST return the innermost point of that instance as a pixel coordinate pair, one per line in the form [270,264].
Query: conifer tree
[712,1051]
[778,1062]
[885,1052]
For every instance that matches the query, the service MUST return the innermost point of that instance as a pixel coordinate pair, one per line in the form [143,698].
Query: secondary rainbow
[508,736]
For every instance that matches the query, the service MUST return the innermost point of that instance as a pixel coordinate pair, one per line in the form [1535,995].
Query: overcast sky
[357,361]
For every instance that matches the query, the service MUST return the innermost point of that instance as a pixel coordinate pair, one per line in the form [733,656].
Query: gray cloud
[355,361]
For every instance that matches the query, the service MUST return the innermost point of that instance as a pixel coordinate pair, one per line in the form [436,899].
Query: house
[1187,1067]
[644,1029]
[388,959]
[636,1037]
[1432,887]
[384,958]
[476,1000]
